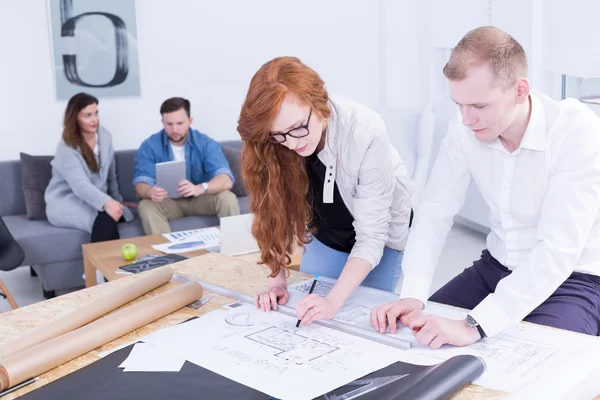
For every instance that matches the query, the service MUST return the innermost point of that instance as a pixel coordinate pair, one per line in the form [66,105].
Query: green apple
[129,251]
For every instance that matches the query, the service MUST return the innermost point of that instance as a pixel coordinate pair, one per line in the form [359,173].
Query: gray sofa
[55,253]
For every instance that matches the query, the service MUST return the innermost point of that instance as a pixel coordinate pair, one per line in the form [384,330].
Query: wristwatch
[471,323]
[205,186]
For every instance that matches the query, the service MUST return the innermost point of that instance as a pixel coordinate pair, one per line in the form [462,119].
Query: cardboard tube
[48,355]
[89,312]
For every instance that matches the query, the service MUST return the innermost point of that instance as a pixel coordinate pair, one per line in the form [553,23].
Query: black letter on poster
[70,60]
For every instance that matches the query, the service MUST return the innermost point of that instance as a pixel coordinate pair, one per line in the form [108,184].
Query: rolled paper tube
[89,312]
[48,355]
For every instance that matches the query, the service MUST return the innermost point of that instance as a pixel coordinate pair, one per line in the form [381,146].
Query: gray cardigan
[75,194]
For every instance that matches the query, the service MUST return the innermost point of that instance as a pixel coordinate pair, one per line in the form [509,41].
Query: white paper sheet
[266,352]
[199,239]
[147,358]
[515,358]
[574,378]
[208,235]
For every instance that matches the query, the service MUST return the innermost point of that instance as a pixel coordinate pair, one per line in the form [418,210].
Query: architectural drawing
[513,355]
[322,287]
[357,309]
[240,319]
[513,358]
[320,335]
[507,354]
[292,346]
[354,314]
[504,354]
[267,352]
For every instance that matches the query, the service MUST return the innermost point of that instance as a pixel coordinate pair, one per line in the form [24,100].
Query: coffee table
[106,256]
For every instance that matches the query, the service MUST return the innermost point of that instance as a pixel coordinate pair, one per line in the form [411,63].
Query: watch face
[471,321]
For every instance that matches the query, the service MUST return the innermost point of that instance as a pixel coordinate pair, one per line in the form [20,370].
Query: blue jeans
[325,261]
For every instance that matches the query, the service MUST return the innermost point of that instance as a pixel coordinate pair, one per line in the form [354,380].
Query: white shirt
[96,150]
[544,201]
[371,177]
[178,152]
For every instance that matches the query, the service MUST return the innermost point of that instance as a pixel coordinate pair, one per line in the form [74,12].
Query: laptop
[236,236]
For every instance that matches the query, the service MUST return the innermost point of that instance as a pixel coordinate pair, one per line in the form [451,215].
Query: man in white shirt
[536,163]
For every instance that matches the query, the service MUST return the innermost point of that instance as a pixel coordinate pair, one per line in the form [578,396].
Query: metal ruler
[352,330]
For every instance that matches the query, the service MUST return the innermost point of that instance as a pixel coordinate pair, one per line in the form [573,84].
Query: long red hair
[274,176]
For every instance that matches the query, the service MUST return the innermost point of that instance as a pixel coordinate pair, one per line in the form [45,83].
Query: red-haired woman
[321,174]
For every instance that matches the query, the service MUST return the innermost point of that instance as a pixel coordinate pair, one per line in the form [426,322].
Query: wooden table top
[106,256]
[213,268]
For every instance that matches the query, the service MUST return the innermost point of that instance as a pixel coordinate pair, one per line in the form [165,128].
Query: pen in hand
[312,287]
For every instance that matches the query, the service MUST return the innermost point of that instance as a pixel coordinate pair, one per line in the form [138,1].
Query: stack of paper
[185,241]
[212,235]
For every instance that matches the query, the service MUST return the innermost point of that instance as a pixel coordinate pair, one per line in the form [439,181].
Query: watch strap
[474,324]
[481,332]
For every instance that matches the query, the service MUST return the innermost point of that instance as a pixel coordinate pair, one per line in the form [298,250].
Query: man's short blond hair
[492,46]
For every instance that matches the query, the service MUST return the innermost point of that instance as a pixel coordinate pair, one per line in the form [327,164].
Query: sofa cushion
[36,172]
[64,275]
[44,243]
[244,204]
[233,156]
[236,144]
[125,163]
[11,195]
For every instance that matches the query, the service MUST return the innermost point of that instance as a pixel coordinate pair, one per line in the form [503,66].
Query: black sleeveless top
[333,221]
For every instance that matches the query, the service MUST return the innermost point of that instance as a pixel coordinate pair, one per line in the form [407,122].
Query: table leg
[90,272]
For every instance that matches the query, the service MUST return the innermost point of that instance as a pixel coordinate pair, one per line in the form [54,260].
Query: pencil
[312,287]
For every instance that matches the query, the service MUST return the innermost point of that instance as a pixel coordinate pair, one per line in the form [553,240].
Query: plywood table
[106,256]
[213,268]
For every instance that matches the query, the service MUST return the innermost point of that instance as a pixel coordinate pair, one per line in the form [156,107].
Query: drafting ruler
[387,340]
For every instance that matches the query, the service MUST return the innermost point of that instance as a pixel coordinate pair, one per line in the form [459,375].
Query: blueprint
[267,352]
[357,309]
[517,356]
[514,358]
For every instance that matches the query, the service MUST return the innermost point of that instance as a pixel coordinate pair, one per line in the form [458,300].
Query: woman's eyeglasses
[297,133]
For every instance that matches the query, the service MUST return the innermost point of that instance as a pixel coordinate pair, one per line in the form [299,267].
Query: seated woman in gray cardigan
[83,192]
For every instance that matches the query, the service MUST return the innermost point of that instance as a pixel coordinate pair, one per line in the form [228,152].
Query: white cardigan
[371,178]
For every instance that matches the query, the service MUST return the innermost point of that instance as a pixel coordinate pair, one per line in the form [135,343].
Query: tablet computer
[168,176]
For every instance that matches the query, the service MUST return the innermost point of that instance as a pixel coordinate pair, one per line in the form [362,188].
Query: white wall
[445,23]
[572,30]
[207,51]
[556,35]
